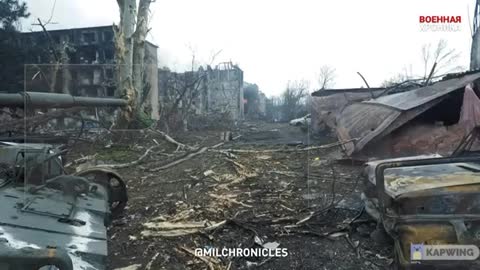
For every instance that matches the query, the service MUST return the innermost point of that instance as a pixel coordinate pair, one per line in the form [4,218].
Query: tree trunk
[124,56]
[139,50]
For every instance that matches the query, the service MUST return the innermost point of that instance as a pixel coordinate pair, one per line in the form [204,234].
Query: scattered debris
[253,194]
[229,199]
[81,160]
[211,262]
[208,173]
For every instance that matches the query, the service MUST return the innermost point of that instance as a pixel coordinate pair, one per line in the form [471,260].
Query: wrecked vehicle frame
[428,199]
[414,225]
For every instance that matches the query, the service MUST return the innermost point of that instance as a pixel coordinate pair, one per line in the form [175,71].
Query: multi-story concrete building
[81,62]
[207,90]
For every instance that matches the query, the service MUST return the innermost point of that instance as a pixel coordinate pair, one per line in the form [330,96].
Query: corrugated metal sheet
[325,108]
[327,92]
[371,120]
[408,100]
[363,121]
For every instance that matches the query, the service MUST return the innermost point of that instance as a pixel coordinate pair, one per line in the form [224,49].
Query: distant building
[89,54]
[254,101]
[205,91]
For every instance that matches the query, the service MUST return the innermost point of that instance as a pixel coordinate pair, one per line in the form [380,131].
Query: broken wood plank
[229,199]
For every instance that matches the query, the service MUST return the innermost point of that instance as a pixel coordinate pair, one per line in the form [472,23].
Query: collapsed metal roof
[328,92]
[370,120]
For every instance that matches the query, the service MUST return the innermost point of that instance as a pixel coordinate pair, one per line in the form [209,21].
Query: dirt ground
[260,188]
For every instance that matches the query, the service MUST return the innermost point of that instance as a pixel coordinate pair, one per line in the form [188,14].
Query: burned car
[50,219]
[302,121]
[430,200]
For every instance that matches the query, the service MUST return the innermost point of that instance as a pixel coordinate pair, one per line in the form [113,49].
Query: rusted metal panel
[406,180]
[363,122]
[324,109]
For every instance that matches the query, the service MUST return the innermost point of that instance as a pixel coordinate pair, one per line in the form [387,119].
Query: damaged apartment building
[206,91]
[81,62]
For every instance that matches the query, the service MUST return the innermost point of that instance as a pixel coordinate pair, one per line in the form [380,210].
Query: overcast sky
[282,40]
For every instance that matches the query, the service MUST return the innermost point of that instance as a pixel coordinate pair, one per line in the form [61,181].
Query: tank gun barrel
[55,100]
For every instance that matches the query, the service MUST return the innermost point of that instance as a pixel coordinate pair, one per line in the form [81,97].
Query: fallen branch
[125,165]
[188,157]
[180,146]
[325,146]
[181,160]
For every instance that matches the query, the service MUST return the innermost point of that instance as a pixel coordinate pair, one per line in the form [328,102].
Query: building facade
[81,62]
[204,91]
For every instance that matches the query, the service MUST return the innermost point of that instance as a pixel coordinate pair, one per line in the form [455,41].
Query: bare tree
[294,97]
[130,38]
[399,78]
[185,91]
[326,77]
[438,59]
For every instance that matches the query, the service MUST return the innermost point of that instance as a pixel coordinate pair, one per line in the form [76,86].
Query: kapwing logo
[416,252]
[419,252]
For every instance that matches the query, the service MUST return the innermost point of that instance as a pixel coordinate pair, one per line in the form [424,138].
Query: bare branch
[215,56]
[51,13]
[326,77]
[442,57]
[293,96]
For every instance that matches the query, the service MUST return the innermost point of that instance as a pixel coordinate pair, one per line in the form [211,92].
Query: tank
[50,219]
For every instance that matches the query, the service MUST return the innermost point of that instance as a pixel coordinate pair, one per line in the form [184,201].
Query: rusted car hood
[399,181]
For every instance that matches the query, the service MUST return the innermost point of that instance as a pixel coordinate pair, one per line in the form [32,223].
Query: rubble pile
[237,194]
